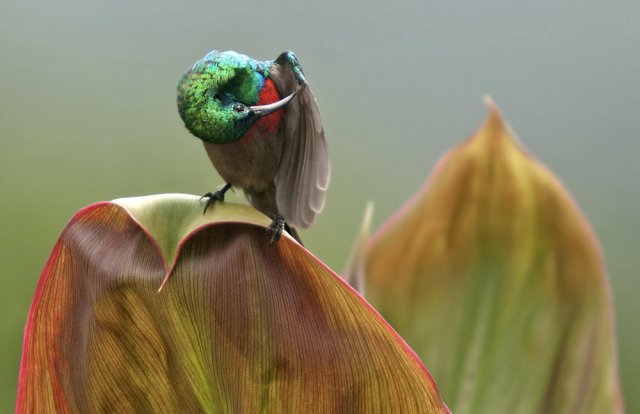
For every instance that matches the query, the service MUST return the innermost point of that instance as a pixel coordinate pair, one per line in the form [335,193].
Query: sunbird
[260,125]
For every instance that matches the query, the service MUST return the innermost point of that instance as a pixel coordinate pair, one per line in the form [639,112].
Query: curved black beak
[262,110]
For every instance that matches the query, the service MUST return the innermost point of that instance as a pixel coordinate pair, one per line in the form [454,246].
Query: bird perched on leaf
[261,128]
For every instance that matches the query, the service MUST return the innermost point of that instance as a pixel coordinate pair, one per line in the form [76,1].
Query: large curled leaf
[494,277]
[240,326]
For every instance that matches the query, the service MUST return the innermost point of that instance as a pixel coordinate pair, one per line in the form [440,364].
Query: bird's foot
[277,226]
[215,196]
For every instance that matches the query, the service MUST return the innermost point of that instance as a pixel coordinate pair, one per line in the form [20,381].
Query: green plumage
[208,92]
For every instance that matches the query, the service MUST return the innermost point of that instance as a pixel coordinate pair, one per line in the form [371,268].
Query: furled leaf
[355,272]
[240,326]
[494,277]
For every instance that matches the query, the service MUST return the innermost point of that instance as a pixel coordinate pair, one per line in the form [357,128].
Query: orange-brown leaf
[240,326]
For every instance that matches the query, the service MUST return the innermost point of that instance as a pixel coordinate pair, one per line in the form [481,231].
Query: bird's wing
[303,176]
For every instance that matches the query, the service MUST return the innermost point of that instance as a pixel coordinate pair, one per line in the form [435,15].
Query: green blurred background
[87,113]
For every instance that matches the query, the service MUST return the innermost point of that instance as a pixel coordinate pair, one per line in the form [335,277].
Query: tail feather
[294,233]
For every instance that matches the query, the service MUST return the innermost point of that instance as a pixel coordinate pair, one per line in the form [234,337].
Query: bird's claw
[277,226]
[211,198]
[215,196]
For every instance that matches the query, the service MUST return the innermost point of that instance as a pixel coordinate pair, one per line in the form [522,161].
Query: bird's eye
[238,107]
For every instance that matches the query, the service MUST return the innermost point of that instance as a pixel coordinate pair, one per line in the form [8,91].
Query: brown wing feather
[303,176]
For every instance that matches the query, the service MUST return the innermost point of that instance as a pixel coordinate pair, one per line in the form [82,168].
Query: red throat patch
[267,124]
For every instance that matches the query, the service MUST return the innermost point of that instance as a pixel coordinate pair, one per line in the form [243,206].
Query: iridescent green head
[217,97]
[216,94]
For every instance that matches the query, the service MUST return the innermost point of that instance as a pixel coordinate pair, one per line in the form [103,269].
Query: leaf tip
[489,102]
[494,121]
[355,271]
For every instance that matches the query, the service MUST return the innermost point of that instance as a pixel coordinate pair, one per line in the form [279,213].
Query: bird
[261,128]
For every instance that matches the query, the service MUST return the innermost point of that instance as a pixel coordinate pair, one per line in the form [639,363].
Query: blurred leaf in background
[492,274]
[240,326]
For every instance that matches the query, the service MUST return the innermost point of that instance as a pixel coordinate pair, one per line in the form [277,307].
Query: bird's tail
[294,233]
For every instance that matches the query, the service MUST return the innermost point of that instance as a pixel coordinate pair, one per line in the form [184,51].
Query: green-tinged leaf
[240,326]
[355,273]
[169,218]
[494,277]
